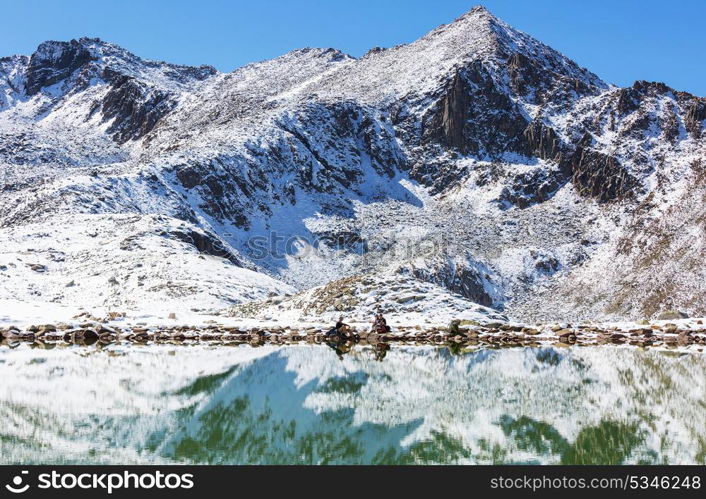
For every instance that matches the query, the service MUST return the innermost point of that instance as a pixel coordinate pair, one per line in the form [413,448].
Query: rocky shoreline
[669,335]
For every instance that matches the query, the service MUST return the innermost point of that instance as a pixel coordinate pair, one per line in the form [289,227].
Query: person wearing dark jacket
[380,325]
[339,329]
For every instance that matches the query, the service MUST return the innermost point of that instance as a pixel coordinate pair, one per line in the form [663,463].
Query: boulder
[670,315]
[617,338]
[567,335]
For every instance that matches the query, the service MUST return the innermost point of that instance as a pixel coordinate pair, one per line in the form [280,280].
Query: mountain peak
[478,35]
[54,50]
[54,61]
[479,12]
[477,20]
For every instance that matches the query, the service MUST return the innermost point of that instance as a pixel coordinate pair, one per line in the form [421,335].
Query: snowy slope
[124,262]
[401,297]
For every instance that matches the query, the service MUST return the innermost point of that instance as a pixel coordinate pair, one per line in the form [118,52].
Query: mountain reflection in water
[375,404]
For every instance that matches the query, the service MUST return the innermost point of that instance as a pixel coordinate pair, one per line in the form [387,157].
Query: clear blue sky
[620,40]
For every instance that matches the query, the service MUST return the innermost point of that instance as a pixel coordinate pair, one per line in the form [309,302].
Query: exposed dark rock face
[133,103]
[437,175]
[599,175]
[188,176]
[669,124]
[134,106]
[475,117]
[694,117]
[654,87]
[466,281]
[12,73]
[53,62]
[226,186]
[542,141]
[184,74]
[530,188]
[448,126]
[632,112]
[628,101]
[524,75]
[546,264]
[327,149]
[348,240]
[354,135]
[205,243]
[633,99]
[374,50]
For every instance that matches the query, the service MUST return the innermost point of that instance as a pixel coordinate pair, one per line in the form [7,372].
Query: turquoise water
[312,405]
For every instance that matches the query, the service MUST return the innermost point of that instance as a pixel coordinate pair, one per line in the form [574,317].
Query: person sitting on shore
[380,325]
[341,329]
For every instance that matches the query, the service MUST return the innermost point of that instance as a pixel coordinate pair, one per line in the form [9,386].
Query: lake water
[308,405]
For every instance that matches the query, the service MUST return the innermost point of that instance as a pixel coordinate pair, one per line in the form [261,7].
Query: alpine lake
[321,404]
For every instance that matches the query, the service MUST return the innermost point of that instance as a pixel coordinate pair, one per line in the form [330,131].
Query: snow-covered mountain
[476,161]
